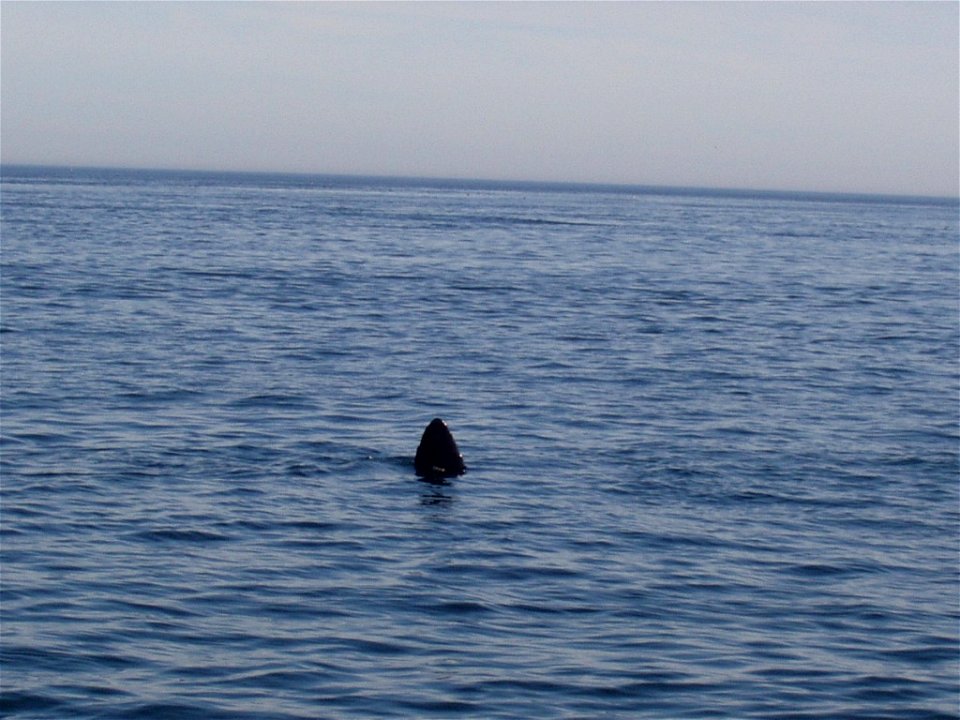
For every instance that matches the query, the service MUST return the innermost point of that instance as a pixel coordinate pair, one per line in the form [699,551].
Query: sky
[820,96]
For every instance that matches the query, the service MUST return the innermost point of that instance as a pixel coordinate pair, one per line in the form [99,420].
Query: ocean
[712,445]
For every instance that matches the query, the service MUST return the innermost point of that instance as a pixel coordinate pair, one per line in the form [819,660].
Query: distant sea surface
[712,442]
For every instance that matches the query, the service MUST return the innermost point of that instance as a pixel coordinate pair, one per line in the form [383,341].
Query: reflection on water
[435,491]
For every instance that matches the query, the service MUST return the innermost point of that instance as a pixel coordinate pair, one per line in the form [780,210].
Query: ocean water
[712,442]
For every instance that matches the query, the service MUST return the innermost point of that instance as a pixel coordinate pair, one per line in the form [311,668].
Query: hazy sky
[815,96]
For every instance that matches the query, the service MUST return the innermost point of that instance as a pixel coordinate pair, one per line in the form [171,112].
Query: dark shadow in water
[435,491]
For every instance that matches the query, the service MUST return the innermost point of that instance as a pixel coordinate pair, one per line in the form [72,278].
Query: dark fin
[437,454]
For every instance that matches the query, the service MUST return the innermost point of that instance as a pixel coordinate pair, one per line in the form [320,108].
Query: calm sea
[712,442]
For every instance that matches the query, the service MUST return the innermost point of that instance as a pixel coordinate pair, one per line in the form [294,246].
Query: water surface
[712,440]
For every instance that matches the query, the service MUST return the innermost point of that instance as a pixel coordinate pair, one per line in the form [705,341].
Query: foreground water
[712,444]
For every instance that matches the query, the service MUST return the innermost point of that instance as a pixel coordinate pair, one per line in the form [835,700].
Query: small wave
[945,652]
[273,400]
[14,703]
[181,711]
[219,274]
[316,526]
[817,570]
[374,647]
[460,607]
[160,396]
[165,535]
[443,707]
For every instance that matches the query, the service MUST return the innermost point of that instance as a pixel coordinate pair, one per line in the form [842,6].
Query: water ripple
[712,445]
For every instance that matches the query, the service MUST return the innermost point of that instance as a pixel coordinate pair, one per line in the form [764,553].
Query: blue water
[712,442]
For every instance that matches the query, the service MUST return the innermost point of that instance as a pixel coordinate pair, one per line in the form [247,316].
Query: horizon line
[643,188]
